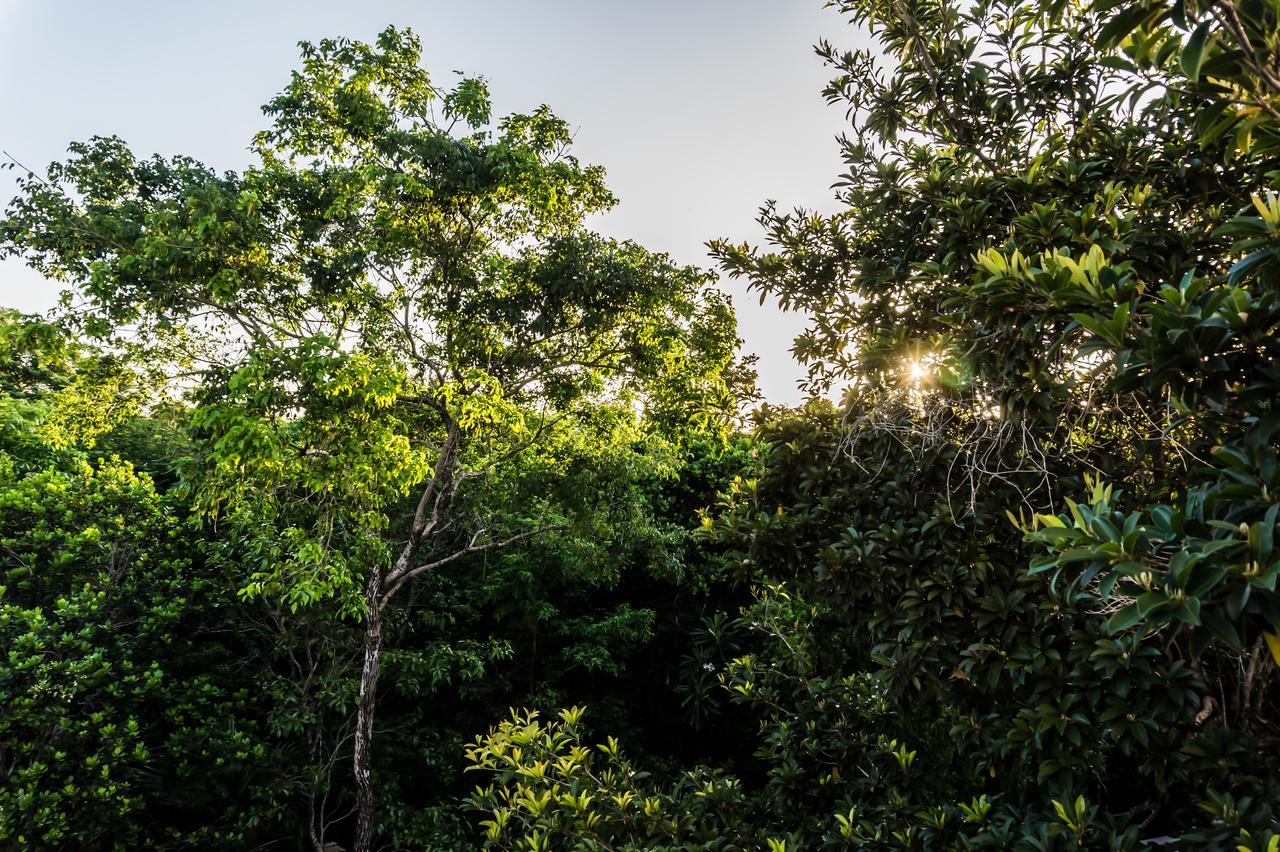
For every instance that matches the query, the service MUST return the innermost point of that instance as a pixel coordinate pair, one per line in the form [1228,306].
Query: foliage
[399,302]
[125,723]
[379,423]
[1052,276]
[549,792]
[197,715]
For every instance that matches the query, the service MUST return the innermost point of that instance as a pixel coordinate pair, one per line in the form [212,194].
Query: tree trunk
[364,712]
[432,508]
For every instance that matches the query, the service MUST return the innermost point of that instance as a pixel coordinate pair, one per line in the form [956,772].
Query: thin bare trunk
[313,834]
[432,509]
[364,712]
[431,517]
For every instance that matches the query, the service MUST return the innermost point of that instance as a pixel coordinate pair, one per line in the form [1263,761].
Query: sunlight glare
[918,370]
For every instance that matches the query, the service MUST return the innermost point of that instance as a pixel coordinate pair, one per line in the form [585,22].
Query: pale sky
[699,110]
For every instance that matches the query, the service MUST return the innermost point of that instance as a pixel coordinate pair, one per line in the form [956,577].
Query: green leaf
[1121,25]
[1124,619]
[1259,435]
[1193,54]
[1221,626]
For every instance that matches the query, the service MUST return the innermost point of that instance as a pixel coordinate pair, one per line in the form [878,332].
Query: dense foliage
[380,424]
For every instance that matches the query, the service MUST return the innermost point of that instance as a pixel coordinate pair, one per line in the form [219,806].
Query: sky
[699,110]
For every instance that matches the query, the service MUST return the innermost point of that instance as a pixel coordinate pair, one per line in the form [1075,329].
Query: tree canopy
[368,498]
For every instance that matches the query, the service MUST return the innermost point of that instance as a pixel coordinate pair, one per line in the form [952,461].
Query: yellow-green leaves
[1273,645]
[549,788]
[97,400]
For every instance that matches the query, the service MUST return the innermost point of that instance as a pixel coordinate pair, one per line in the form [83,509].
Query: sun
[918,370]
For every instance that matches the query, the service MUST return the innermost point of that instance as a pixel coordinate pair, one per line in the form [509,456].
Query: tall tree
[1061,218]
[398,300]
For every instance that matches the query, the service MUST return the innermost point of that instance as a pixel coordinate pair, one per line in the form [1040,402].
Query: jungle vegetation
[367,499]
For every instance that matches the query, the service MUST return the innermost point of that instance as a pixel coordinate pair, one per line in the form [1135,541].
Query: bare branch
[458,554]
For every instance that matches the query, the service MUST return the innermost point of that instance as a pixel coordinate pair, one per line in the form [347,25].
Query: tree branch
[397,582]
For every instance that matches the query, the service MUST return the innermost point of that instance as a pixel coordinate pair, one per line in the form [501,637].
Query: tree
[1055,270]
[1043,231]
[398,300]
[1053,276]
[125,663]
